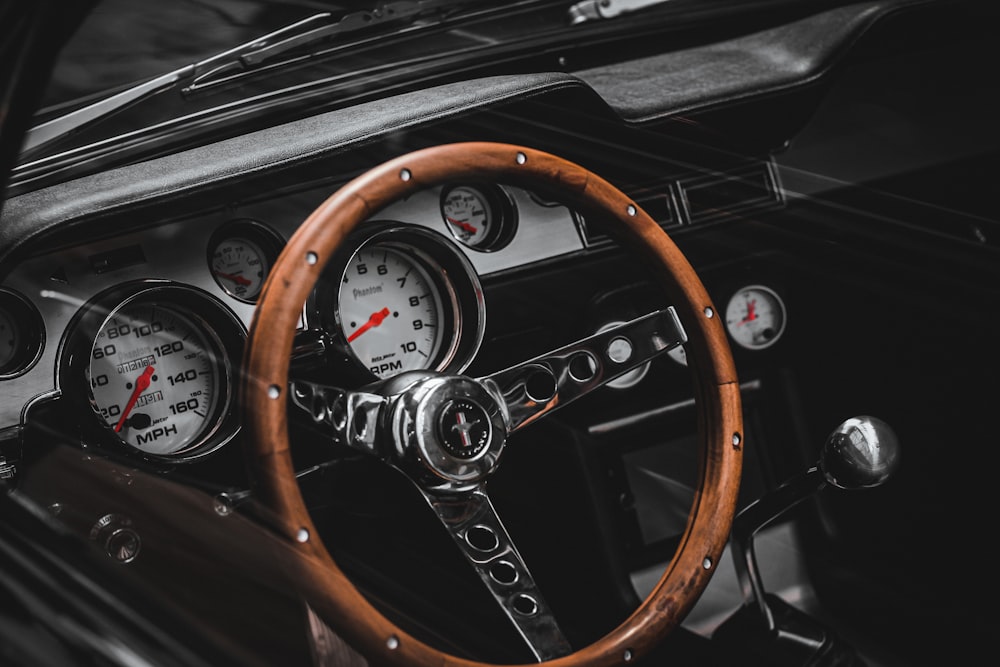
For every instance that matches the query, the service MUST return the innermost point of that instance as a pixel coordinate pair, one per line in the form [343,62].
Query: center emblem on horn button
[464,428]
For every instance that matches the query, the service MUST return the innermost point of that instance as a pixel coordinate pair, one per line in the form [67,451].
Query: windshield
[140,79]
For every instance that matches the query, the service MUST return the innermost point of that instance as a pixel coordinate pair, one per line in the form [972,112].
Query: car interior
[824,175]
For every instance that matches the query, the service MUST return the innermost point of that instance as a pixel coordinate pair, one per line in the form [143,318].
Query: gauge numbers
[156,377]
[391,312]
[755,317]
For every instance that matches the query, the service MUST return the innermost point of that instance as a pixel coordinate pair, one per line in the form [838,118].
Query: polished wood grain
[326,589]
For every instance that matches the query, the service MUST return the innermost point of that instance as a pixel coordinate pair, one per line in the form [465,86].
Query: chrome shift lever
[862,452]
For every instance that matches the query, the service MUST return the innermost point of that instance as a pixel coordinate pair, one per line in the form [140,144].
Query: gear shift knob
[860,453]
[863,452]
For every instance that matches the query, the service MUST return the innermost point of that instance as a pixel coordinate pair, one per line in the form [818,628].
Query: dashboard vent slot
[702,197]
[658,200]
[725,194]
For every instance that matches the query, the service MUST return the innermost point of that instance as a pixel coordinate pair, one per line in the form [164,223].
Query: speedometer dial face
[157,377]
[392,312]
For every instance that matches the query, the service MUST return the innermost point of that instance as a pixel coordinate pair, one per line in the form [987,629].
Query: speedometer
[158,377]
[391,312]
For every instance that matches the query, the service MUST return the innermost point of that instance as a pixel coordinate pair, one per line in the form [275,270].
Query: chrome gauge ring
[158,366]
[405,299]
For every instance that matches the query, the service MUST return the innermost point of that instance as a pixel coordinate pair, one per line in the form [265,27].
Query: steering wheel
[447,432]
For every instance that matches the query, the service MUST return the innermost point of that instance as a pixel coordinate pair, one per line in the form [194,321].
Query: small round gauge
[755,317]
[21,334]
[158,377]
[239,266]
[478,216]
[10,338]
[393,314]
[240,256]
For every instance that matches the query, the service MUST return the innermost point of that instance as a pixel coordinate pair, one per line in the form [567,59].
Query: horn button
[449,432]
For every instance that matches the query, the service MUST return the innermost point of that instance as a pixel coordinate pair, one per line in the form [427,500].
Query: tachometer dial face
[755,317]
[157,378]
[392,312]
[468,215]
[240,266]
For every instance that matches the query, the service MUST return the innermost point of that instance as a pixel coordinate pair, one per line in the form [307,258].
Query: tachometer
[405,299]
[391,312]
[158,377]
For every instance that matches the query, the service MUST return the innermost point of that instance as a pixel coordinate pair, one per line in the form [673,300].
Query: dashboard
[149,326]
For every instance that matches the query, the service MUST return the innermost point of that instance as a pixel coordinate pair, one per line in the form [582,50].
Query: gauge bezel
[32,333]
[502,208]
[781,307]
[447,267]
[255,231]
[217,324]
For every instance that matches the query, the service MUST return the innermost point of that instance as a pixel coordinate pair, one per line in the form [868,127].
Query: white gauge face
[755,317]
[391,313]
[9,338]
[156,378]
[240,267]
[468,215]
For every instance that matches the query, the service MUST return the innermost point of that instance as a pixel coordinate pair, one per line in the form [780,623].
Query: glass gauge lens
[10,338]
[468,215]
[755,317]
[240,266]
[157,378]
[391,312]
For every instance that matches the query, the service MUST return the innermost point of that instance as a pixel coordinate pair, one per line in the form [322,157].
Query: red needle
[373,321]
[751,312]
[239,280]
[462,225]
[141,385]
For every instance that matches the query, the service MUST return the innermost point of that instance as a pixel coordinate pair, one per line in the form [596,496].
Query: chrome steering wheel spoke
[351,417]
[473,523]
[536,387]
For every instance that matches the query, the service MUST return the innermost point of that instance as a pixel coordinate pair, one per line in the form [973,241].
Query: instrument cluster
[156,359]
[151,340]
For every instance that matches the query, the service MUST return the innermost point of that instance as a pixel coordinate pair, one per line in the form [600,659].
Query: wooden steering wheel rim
[326,590]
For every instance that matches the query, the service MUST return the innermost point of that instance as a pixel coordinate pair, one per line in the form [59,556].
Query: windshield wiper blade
[245,57]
